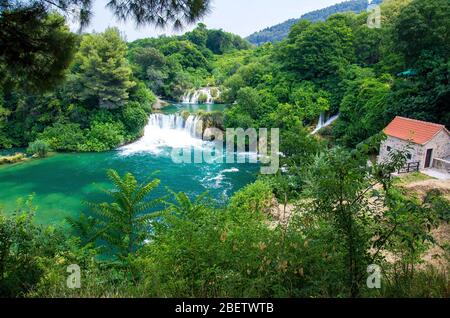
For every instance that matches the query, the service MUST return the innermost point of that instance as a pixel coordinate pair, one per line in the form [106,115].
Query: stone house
[428,143]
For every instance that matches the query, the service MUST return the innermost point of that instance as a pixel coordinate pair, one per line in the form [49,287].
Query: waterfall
[168,131]
[322,123]
[204,95]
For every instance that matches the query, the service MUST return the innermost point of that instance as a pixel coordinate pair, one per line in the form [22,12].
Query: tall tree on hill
[102,70]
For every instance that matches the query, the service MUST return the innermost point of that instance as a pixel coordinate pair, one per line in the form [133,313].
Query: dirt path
[421,188]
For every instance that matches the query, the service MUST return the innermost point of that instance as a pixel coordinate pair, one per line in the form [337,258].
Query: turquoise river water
[63,182]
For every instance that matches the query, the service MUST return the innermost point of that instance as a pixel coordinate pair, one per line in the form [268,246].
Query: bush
[103,137]
[134,118]
[203,98]
[143,96]
[63,137]
[39,148]
[23,248]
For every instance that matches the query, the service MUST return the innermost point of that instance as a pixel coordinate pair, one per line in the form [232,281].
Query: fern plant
[124,223]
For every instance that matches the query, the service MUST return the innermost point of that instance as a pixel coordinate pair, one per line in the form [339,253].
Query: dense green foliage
[196,249]
[43,45]
[345,214]
[29,63]
[173,65]
[280,31]
[38,148]
[99,107]
[343,66]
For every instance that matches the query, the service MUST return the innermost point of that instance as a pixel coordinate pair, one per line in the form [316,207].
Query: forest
[280,31]
[337,215]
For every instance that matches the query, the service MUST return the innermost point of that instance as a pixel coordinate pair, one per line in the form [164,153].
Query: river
[61,183]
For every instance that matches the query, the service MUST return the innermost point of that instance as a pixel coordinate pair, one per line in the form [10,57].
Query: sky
[242,17]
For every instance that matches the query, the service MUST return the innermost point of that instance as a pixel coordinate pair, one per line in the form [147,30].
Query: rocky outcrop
[212,122]
[159,104]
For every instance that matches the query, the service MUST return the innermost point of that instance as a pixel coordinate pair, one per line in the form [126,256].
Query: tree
[255,103]
[338,182]
[148,59]
[102,70]
[317,51]
[310,100]
[160,12]
[39,148]
[35,48]
[199,35]
[423,27]
[363,109]
[426,95]
[24,248]
[5,142]
[185,52]
[125,222]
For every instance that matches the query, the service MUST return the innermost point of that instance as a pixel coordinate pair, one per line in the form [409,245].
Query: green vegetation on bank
[99,107]
[341,224]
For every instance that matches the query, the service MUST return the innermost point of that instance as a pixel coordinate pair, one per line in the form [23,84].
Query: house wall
[440,145]
[415,150]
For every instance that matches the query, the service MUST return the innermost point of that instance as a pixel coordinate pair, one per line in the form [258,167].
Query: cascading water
[322,123]
[168,131]
[203,95]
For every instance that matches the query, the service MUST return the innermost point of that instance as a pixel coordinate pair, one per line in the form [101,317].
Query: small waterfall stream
[205,95]
[323,122]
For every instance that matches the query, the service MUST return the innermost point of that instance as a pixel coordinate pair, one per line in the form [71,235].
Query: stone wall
[440,145]
[441,164]
[416,151]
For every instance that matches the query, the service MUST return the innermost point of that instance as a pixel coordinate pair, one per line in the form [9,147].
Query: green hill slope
[280,31]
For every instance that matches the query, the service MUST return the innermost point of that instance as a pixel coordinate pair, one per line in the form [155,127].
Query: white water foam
[192,97]
[167,131]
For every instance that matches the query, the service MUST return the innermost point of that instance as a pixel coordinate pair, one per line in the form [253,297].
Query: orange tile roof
[419,132]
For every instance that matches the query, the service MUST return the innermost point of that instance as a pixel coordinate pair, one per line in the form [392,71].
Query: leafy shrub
[63,137]
[102,116]
[144,96]
[134,118]
[23,247]
[203,98]
[38,148]
[104,137]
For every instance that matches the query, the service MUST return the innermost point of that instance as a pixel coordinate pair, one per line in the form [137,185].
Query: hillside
[280,31]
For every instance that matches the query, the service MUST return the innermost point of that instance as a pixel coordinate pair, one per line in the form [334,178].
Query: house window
[389,149]
[409,156]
